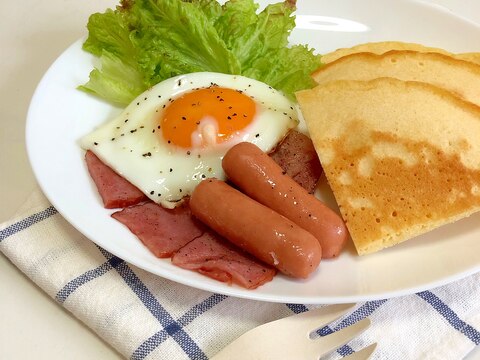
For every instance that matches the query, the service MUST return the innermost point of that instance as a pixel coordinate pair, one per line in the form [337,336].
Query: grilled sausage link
[257,175]
[256,229]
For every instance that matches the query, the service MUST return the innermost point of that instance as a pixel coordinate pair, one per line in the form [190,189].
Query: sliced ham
[115,191]
[162,231]
[175,233]
[296,155]
[213,256]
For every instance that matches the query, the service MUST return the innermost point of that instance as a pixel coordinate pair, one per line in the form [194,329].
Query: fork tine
[363,354]
[316,318]
[326,344]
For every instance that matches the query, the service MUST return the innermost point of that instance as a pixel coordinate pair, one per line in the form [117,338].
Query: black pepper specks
[132,131]
[95,143]
[152,192]
[148,154]
[171,170]
[257,135]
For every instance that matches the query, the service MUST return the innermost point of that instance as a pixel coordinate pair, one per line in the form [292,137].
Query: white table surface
[32,34]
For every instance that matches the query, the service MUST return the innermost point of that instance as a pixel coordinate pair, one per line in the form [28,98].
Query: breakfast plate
[60,115]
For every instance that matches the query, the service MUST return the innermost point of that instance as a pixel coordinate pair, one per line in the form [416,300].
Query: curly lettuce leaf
[211,8]
[251,36]
[109,32]
[287,69]
[175,37]
[119,78]
[115,81]
[144,42]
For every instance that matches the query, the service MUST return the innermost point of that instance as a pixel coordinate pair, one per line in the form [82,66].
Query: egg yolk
[206,117]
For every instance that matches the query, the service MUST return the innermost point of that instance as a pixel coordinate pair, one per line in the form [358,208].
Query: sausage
[257,175]
[256,229]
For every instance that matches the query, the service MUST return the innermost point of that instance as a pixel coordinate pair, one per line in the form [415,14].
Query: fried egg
[175,134]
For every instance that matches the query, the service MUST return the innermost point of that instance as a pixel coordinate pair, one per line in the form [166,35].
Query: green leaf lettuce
[144,42]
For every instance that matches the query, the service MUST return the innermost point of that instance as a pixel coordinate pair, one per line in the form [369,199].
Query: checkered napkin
[144,316]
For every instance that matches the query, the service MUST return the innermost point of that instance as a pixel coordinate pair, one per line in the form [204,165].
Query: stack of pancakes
[397,130]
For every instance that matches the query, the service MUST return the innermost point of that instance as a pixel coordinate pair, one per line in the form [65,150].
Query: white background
[32,34]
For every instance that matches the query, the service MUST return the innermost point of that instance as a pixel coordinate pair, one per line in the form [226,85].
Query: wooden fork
[290,338]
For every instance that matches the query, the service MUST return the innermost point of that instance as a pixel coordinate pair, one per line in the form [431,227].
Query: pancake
[385,46]
[459,76]
[401,157]
[473,57]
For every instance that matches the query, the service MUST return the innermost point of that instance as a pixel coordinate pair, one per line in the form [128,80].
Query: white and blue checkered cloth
[144,316]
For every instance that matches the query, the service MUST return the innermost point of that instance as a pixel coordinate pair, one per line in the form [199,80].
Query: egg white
[133,146]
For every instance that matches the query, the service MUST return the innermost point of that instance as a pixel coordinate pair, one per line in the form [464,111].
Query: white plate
[59,115]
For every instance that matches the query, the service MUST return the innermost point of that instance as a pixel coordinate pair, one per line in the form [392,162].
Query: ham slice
[115,191]
[296,155]
[162,231]
[213,256]
[175,233]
